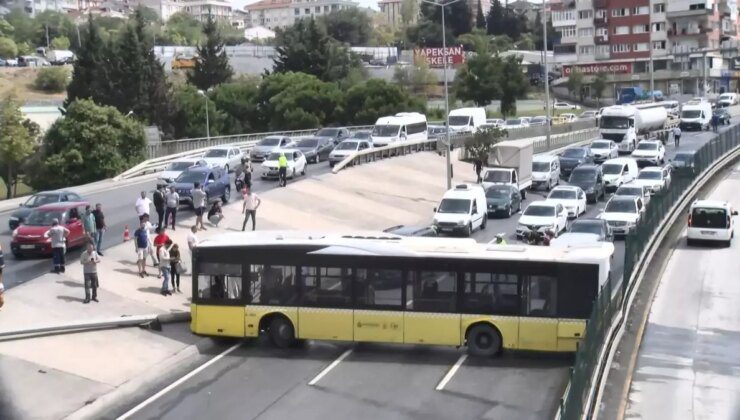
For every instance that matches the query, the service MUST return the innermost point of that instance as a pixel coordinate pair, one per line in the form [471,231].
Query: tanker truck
[628,124]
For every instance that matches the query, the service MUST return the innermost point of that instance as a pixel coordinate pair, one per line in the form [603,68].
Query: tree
[481,145]
[238,101]
[575,82]
[366,102]
[90,143]
[526,42]
[8,49]
[51,24]
[6,29]
[513,84]
[60,43]
[25,28]
[598,86]
[351,26]
[190,117]
[495,18]
[478,80]
[51,79]
[16,142]
[417,79]
[429,34]
[409,11]
[183,29]
[87,71]
[211,65]
[294,101]
[457,16]
[480,18]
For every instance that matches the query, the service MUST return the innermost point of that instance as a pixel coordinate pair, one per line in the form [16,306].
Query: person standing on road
[175,264]
[478,166]
[90,261]
[100,227]
[164,267]
[88,224]
[158,200]
[676,136]
[199,204]
[715,122]
[58,235]
[283,169]
[172,200]
[141,245]
[193,238]
[160,240]
[143,206]
[249,208]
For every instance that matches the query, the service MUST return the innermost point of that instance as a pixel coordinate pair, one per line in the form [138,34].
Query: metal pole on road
[208,126]
[547,77]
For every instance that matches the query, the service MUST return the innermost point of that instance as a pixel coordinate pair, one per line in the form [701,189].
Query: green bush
[52,79]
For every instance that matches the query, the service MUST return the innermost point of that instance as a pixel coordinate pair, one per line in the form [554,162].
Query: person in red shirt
[160,240]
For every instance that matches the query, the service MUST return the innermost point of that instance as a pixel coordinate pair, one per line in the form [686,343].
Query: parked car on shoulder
[268,145]
[20,215]
[404,230]
[335,134]
[346,148]
[214,179]
[28,238]
[315,149]
[503,200]
[565,105]
[296,164]
[174,169]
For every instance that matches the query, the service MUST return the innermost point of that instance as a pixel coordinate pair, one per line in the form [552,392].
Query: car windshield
[540,211]
[179,166]
[43,217]
[190,177]
[215,153]
[347,145]
[614,122]
[583,176]
[308,143]
[41,199]
[612,168]
[586,227]
[600,145]
[563,194]
[647,146]
[386,130]
[538,119]
[515,121]
[459,119]
[708,218]
[495,192]
[541,167]
[574,153]
[691,113]
[621,206]
[497,176]
[328,132]
[629,191]
[275,155]
[269,141]
[361,135]
[683,157]
[588,114]
[649,175]
[454,205]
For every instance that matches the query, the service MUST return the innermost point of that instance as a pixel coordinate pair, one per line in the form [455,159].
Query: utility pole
[547,75]
[650,45]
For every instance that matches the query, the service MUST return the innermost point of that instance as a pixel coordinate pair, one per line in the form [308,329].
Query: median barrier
[607,321]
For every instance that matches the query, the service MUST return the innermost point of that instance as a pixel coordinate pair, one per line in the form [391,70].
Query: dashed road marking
[330,367]
[451,373]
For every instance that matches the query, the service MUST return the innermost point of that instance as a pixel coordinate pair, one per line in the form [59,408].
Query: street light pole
[547,76]
[208,126]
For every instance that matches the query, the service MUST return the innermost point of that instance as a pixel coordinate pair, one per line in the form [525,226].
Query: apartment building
[274,14]
[619,38]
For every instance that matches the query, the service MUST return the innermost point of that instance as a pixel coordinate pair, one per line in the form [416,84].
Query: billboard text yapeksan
[609,68]
[435,57]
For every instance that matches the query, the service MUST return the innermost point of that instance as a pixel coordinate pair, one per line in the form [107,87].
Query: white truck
[696,115]
[626,125]
[467,120]
[56,57]
[510,162]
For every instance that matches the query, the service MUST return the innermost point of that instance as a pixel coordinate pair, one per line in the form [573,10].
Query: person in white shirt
[143,206]
[249,208]
[151,232]
[192,238]
[164,267]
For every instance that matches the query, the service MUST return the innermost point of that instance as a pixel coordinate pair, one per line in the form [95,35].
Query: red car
[28,238]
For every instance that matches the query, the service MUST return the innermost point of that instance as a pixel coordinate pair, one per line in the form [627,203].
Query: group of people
[153,242]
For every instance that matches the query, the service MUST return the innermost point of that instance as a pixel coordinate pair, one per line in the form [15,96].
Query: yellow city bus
[385,288]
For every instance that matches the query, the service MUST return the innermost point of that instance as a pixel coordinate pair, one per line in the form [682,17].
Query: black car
[404,230]
[684,160]
[503,200]
[335,134]
[724,115]
[574,157]
[591,181]
[39,199]
[316,149]
[594,226]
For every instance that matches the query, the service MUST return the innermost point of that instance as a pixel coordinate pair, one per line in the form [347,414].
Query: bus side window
[273,284]
[542,296]
[378,287]
[220,281]
[327,286]
[433,291]
[491,293]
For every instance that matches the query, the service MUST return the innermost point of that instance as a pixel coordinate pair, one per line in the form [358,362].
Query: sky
[239,4]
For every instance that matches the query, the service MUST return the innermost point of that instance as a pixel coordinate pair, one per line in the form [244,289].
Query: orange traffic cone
[126,234]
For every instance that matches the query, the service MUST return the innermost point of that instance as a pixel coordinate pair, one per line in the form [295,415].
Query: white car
[711,221]
[174,169]
[654,177]
[541,216]
[651,152]
[497,122]
[226,157]
[514,123]
[347,148]
[565,105]
[572,198]
[585,115]
[296,164]
[635,190]
[567,117]
[604,150]
[622,213]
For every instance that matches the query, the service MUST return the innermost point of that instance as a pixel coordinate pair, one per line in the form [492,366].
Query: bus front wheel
[483,341]
[282,333]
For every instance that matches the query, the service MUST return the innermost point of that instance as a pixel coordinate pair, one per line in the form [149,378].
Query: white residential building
[200,9]
[274,14]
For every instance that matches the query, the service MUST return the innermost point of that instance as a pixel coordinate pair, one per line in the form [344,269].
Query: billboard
[435,57]
[608,68]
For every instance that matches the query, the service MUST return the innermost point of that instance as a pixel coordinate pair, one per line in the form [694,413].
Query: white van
[711,221]
[545,171]
[467,120]
[727,99]
[618,172]
[404,126]
[696,115]
[462,210]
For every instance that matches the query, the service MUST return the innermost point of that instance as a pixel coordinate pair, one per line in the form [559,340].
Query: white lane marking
[330,367]
[451,373]
[178,382]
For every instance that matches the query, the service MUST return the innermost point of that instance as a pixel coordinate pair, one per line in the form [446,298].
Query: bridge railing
[613,303]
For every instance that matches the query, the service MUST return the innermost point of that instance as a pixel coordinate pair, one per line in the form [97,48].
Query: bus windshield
[621,123]
[454,205]
[386,130]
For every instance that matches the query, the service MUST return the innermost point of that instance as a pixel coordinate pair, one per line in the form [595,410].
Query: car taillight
[689,220]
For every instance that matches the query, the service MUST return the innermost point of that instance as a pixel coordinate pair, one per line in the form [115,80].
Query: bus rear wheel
[483,341]
[282,333]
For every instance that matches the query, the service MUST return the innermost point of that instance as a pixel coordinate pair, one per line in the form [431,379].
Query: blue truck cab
[215,182]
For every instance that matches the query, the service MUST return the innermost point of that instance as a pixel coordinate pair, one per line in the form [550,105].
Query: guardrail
[614,301]
[173,147]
